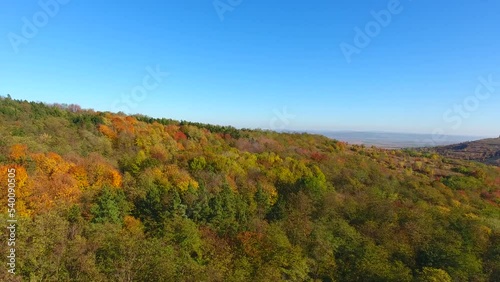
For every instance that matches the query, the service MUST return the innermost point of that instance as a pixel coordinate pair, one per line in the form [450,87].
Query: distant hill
[486,151]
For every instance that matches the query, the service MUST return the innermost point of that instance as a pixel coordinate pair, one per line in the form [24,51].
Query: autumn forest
[112,197]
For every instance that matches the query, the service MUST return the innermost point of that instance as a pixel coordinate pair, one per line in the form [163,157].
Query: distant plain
[393,140]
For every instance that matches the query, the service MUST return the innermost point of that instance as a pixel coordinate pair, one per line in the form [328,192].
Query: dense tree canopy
[110,197]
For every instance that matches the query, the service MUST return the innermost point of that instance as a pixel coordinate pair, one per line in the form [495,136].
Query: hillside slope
[486,151]
[109,197]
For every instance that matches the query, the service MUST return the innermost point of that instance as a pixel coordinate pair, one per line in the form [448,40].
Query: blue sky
[261,63]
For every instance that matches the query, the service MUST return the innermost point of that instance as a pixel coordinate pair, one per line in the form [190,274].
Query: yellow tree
[21,187]
[18,152]
[54,182]
[100,173]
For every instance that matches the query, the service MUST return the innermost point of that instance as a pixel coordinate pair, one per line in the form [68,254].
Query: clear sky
[302,65]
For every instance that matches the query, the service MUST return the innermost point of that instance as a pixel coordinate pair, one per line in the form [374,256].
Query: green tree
[110,206]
